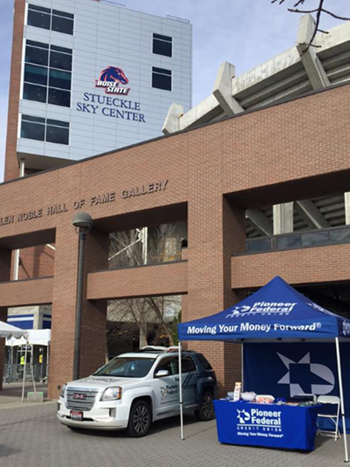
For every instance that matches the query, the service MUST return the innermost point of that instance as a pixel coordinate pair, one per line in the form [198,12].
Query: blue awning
[276,311]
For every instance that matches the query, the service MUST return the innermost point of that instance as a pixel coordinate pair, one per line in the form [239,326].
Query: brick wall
[303,266]
[246,154]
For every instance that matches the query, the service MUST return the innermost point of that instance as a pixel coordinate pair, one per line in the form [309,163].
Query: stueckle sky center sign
[112,81]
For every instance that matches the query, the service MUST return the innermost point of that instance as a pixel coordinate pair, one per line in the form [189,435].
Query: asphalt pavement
[31,436]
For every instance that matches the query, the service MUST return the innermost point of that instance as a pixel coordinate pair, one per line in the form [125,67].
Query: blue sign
[276,311]
[269,425]
[290,369]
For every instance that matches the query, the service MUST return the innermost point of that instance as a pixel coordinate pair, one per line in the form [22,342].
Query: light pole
[83,222]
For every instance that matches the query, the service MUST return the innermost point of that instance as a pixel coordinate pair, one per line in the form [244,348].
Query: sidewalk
[11,395]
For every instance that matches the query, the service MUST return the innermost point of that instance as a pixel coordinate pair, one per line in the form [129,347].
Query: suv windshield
[126,367]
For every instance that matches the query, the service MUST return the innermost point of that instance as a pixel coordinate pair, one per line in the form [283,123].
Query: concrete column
[283,218]
[223,90]
[312,64]
[5,274]
[93,328]
[211,245]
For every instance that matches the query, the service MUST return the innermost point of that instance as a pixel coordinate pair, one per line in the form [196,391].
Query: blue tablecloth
[269,425]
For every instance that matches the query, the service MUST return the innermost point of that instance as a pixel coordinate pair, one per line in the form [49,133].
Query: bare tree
[127,249]
[319,10]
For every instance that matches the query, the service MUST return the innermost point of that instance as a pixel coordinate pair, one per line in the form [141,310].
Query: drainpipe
[16,255]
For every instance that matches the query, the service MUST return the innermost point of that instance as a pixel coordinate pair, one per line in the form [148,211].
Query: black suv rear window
[204,362]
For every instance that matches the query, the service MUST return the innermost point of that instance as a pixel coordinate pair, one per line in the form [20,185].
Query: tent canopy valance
[276,311]
[7,331]
[41,337]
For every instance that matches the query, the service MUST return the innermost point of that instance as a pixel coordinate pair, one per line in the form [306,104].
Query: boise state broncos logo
[110,79]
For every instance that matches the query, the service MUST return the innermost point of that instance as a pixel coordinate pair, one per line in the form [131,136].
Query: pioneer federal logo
[306,377]
[258,422]
[268,308]
[111,79]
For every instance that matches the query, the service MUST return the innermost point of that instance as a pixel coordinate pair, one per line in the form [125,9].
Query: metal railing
[313,238]
[13,373]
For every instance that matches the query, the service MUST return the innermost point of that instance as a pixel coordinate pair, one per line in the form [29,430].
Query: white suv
[137,388]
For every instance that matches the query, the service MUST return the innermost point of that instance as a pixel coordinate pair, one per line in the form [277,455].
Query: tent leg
[180,395]
[242,366]
[24,370]
[32,369]
[341,399]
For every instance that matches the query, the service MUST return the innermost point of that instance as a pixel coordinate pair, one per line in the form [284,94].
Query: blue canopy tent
[276,311]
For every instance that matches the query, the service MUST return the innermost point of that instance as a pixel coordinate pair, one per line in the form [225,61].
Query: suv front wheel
[139,419]
[206,407]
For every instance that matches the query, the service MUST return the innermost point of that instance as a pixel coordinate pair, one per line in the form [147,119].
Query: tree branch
[319,10]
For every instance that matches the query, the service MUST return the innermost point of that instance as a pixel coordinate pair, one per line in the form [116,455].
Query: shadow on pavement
[157,427]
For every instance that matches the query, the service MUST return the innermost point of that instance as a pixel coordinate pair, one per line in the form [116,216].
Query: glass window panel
[339,236]
[60,79]
[38,19]
[161,82]
[55,134]
[259,244]
[59,60]
[188,365]
[63,13]
[30,118]
[61,49]
[314,239]
[34,92]
[39,8]
[58,123]
[290,241]
[38,56]
[31,130]
[59,97]
[161,70]
[35,74]
[63,25]
[169,364]
[37,44]
[164,38]
[162,48]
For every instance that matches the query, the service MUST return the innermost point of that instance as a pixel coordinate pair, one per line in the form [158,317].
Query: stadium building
[262,188]
[86,77]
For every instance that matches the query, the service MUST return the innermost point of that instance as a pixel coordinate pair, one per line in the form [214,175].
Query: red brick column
[11,162]
[5,269]
[93,329]
[216,229]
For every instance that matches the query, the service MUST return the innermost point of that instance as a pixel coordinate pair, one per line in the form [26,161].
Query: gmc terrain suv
[137,388]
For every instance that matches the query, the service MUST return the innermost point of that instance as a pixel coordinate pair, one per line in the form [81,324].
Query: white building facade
[97,76]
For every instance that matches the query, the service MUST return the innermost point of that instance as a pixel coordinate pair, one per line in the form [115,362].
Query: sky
[245,33]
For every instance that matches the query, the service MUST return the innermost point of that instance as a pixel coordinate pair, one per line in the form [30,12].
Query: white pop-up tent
[39,337]
[7,331]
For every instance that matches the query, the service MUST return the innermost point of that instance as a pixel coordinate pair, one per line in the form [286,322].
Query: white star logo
[317,369]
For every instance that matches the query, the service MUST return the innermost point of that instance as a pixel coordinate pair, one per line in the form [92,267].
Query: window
[62,22]
[204,362]
[187,364]
[53,20]
[161,79]
[169,364]
[40,129]
[162,45]
[39,17]
[47,73]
